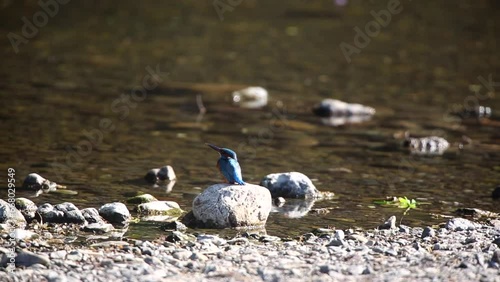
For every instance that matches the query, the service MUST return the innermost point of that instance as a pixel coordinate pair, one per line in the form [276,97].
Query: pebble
[428,232]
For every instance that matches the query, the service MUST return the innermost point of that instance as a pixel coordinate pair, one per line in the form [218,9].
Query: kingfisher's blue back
[228,165]
[231,170]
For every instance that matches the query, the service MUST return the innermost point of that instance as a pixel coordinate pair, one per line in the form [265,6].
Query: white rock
[290,185]
[227,205]
[251,97]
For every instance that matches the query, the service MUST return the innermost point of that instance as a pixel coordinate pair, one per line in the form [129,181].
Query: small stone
[174,225]
[324,269]
[115,213]
[335,243]
[35,182]
[428,232]
[389,224]
[279,201]
[74,256]
[497,241]
[182,254]
[339,234]
[166,173]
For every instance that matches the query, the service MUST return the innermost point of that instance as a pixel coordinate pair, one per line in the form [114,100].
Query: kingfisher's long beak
[214,147]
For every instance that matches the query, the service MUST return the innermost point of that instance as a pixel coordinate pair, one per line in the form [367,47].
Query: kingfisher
[228,165]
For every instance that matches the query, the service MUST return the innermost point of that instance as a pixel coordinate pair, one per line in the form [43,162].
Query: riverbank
[457,250]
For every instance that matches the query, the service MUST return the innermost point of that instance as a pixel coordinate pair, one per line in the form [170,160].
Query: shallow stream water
[73,78]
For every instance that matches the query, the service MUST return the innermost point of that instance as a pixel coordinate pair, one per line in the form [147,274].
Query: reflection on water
[78,75]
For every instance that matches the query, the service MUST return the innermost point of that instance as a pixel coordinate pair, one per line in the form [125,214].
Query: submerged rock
[251,97]
[115,213]
[160,208]
[333,107]
[431,145]
[163,173]
[141,199]
[27,208]
[227,205]
[10,216]
[478,112]
[290,185]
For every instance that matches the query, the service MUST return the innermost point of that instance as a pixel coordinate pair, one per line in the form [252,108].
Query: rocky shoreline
[457,250]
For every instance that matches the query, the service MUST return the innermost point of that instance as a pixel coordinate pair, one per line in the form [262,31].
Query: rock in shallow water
[141,199]
[290,185]
[431,145]
[36,182]
[160,174]
[251,97]
[333,107]
[159,208]
[115,213]
[226,205]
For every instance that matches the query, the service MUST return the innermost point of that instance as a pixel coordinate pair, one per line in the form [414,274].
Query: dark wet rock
[61,213]
[156,175]
[10,216]
[116,213]
[389,224]
[91,215]
[36,182]
[251,97]
[432,145]
[98,228]
[496,193]
[26,258]
[71,213]
[332,107]
[497,242]
[496,257]
[177,236]
[225,205]
[27,208]
[160,208]
[174,225]
[290,185]
[141,199]
[459,224]
[428,232]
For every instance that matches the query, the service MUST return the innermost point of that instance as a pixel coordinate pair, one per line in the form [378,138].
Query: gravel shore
[458,250]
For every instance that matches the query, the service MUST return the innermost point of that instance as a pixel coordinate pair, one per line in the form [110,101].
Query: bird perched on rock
[228,165]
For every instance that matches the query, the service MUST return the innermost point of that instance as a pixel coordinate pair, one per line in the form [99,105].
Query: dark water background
[426,62]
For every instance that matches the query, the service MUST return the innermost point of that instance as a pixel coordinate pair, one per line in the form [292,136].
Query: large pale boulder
[228,205]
